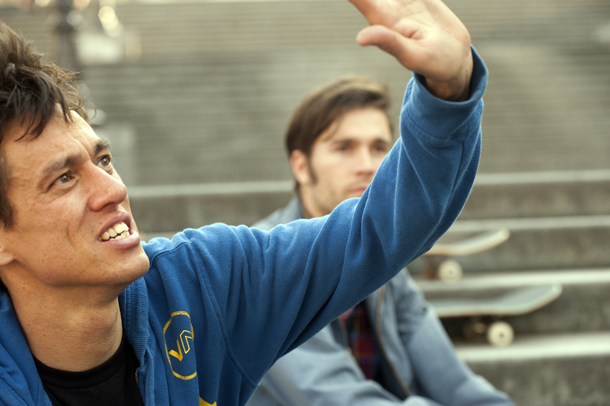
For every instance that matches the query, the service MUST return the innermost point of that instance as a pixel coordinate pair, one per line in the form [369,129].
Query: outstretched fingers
[368,8]
[425,37]
[388,40]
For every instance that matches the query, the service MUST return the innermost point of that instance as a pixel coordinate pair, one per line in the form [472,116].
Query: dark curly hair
[31,92]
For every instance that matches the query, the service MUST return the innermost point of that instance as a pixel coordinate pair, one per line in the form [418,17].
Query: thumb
[387,40]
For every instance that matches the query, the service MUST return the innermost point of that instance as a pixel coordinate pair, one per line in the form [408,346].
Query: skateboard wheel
[449,271]
[500,334]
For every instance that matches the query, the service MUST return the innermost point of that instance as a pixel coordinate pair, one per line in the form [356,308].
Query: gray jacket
[418,367]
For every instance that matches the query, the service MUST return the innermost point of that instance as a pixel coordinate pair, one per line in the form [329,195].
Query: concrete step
[552,243]
[164,210]
[541,370]
[535,243]
[520,201]
[188,27]
[220,118]
[267,19]
[582,307]
[227,123]
[538,194]
[210,103]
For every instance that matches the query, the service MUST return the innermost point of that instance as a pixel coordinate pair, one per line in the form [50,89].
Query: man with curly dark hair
[91,315]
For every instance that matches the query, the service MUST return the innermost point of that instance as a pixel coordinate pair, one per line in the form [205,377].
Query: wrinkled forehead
[30,127]
[57,127]
[59,140]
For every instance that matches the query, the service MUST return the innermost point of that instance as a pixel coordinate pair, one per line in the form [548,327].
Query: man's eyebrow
[341,140]
[382,141]
[101,145]
[62,163]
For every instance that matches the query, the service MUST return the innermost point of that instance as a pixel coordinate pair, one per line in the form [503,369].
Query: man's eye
[63,179]
[105,161]
[383,148]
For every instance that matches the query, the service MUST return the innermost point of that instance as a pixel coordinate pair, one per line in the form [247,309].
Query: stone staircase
[223,77]
[559,231]
[196,126]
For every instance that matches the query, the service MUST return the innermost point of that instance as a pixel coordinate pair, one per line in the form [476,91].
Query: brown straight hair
[325,104]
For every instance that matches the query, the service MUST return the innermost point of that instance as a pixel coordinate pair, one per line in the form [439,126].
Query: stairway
[196,126]
[559,231]
[223,77]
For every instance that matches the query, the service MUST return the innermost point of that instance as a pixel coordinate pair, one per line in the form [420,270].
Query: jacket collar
[19,380]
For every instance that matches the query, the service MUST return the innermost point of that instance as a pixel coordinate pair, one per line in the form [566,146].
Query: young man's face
[65,197]
[343,160]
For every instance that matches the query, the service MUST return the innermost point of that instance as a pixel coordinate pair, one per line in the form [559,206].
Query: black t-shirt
[112,383]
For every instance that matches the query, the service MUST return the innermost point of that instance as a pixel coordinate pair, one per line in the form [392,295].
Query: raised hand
[425,37]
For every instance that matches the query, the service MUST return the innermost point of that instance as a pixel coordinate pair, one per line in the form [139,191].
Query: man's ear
[6,256]
[300,167]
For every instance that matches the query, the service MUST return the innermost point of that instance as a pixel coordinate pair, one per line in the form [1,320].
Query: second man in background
[391,348]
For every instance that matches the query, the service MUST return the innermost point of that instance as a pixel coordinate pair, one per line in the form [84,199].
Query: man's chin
[137,266]
[143,264]
[355,193]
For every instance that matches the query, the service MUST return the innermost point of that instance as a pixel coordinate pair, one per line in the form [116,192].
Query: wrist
[456,89]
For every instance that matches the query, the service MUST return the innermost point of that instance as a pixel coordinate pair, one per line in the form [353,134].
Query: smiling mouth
[116,232]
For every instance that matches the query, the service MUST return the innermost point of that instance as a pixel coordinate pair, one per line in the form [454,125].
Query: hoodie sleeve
[274,290]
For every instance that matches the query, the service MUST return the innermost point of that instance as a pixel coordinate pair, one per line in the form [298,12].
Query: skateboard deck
[486,316]
[439,266]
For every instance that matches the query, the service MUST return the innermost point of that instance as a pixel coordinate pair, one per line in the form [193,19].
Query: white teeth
[117,232]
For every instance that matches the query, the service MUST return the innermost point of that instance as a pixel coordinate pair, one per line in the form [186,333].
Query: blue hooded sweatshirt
[220,304]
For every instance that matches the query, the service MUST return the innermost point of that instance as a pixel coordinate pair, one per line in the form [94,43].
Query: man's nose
[366,161]
[105,189]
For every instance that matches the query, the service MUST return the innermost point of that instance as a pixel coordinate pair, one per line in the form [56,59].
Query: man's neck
[70,330]
[304,211]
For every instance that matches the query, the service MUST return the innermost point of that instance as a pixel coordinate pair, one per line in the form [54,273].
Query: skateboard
[438,262]
[486,318]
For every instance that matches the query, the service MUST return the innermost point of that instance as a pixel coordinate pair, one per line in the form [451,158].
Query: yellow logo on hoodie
[178,335]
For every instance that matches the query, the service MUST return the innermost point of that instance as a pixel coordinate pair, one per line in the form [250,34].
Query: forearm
[424,182]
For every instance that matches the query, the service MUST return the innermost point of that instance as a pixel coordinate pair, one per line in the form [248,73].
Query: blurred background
[194,97]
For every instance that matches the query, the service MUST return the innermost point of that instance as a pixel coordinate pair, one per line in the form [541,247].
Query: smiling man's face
[343,160]
[67,202]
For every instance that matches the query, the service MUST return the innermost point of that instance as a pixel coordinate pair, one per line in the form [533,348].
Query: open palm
[425,37]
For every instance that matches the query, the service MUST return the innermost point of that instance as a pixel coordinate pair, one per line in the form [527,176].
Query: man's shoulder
[288,213]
